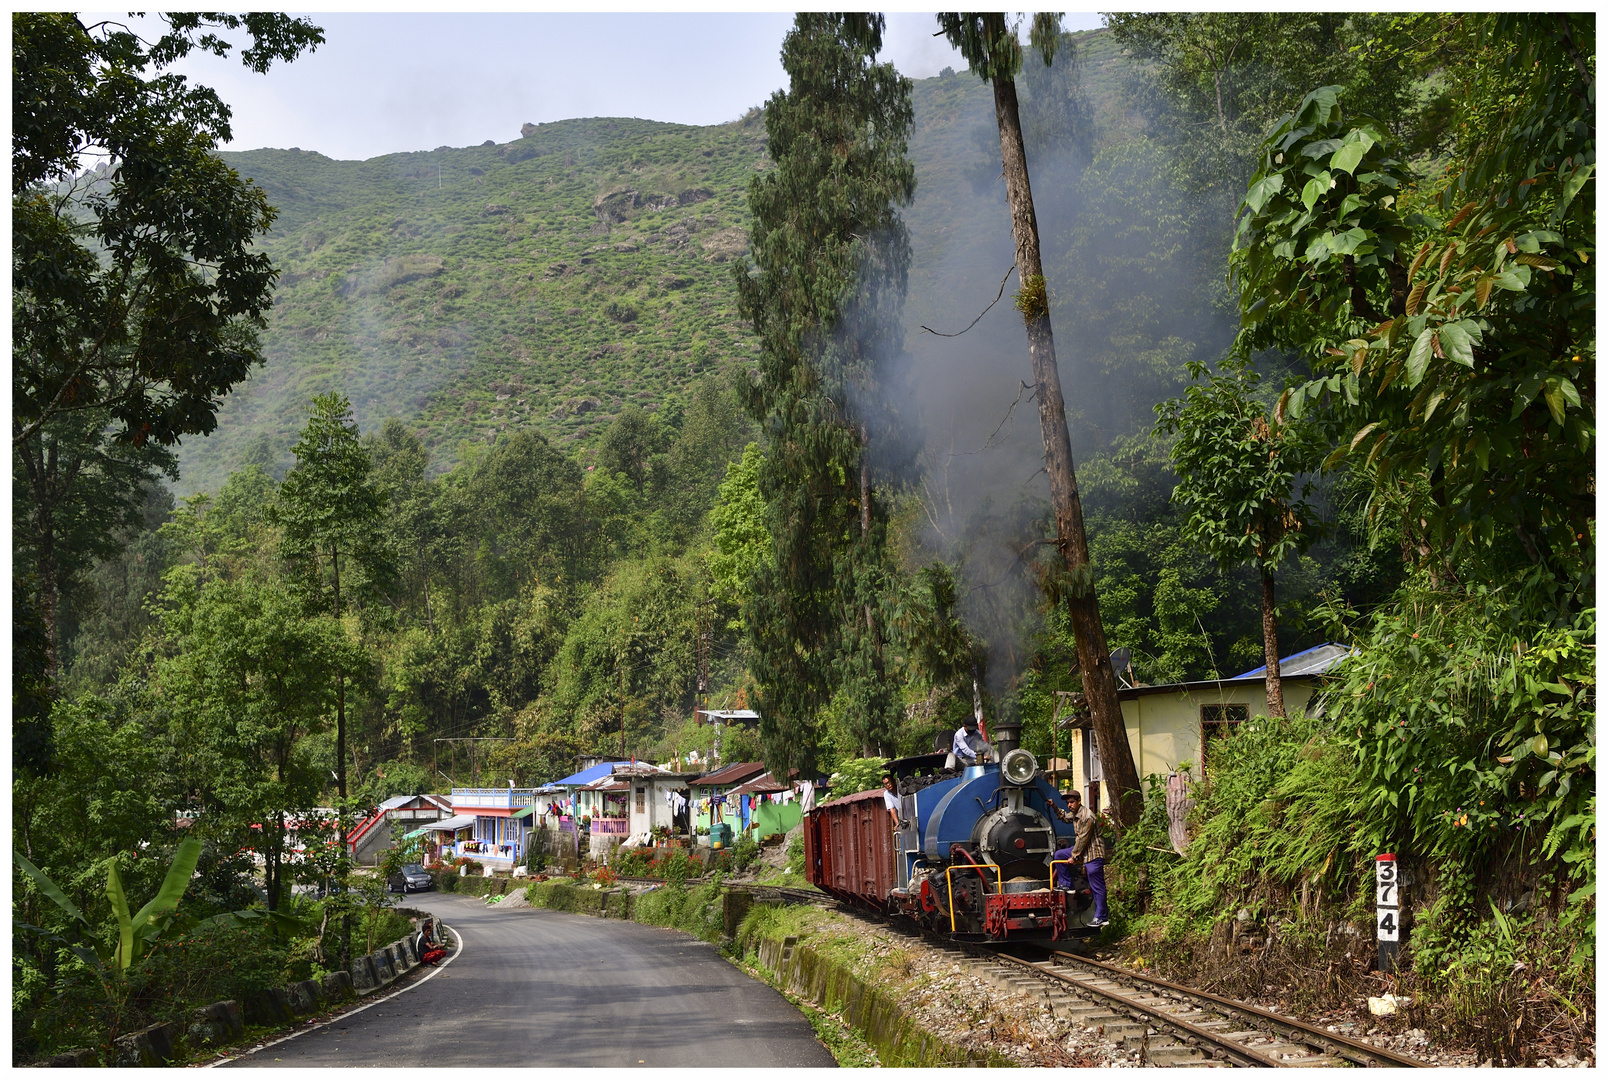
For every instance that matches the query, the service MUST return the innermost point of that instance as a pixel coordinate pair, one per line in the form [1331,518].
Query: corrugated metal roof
[1305,664]
[730,774]
[451,824]
[763,784]
[1313,661]
[858,796]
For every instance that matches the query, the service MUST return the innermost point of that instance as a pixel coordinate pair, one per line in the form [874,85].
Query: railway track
[1168,1024]
[1179,1025]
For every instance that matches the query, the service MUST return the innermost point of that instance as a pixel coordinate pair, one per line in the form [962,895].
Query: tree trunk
[41,473]
[340,718]
[1270,648]
[340,773]
[1094,655]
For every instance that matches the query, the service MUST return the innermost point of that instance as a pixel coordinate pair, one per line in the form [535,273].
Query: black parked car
[411,878]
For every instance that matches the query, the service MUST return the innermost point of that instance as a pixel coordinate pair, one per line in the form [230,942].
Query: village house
[709,795]
[374,834]
[488,825]
[1184,723]
[766,805]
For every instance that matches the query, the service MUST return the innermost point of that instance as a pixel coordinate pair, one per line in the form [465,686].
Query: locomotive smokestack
[1007,735]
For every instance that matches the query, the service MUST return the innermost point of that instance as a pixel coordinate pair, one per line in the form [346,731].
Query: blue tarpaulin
[586,776]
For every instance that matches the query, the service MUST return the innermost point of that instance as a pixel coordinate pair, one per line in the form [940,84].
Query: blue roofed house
[488,825]
[1175,723]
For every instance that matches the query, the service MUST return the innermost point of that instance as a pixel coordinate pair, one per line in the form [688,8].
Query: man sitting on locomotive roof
[1088,848]
[969,748]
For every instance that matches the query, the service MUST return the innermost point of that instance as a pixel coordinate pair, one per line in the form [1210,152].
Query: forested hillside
[540,285]
[543,283]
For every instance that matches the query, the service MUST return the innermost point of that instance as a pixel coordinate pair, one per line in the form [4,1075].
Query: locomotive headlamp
[1019,767]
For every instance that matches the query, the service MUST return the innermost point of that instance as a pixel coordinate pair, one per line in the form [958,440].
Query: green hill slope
[545,283]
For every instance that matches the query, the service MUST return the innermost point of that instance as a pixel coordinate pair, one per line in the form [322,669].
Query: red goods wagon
[849,852]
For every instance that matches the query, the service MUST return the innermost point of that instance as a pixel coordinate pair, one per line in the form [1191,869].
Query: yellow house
[1183,724]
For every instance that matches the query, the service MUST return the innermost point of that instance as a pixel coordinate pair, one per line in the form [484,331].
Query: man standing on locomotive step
[1087,847]
[890,799]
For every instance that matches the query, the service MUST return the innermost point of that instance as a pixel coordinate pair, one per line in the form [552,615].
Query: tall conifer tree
[823,287]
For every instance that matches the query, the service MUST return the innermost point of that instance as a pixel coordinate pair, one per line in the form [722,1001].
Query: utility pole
[705,634]
[706,610]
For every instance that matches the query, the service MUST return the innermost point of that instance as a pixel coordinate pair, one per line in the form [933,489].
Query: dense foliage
[1442,309]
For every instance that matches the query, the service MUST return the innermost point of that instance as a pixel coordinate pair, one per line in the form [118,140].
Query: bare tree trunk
[340,773]
[1270,648]
[1094,655]
[46,491]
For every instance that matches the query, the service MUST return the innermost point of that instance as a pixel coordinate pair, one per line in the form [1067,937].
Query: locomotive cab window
[1218,723]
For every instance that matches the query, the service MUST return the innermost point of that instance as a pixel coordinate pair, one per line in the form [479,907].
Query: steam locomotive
[971,857]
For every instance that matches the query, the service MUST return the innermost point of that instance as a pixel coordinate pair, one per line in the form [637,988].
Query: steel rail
[1329,1042]
[1220,1046]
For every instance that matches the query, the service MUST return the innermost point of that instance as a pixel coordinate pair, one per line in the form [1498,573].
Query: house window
[1218,723]
[642,800]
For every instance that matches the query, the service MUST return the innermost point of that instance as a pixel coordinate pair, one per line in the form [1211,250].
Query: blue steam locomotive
[970,856]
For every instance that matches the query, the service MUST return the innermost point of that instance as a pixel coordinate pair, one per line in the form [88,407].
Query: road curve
[548,988]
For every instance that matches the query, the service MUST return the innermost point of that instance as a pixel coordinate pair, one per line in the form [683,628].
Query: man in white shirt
[890,799]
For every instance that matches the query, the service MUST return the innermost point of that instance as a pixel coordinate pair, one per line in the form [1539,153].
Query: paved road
[534,987]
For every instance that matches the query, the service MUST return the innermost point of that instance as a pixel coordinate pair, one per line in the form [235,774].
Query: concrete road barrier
[338,986]
[75,1059]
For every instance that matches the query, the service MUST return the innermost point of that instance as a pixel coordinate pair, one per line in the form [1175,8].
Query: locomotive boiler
[971,857]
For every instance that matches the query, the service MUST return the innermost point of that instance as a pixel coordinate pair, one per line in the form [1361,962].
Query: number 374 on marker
[1387,917]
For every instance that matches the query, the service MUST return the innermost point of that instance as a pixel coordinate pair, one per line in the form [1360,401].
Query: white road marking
[351,1013]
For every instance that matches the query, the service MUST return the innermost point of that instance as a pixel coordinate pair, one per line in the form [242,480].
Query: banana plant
[136,933]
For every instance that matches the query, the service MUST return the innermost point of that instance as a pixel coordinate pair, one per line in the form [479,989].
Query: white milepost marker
[1387,910]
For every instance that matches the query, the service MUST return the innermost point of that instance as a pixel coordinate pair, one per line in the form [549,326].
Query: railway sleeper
[1172,1054]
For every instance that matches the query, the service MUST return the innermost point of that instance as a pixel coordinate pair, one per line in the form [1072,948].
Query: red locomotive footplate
[1024,911]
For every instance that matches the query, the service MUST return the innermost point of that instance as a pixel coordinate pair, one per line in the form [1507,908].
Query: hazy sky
[384,83]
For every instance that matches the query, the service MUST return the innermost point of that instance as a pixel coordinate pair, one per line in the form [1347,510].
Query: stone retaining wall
[870,1010]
